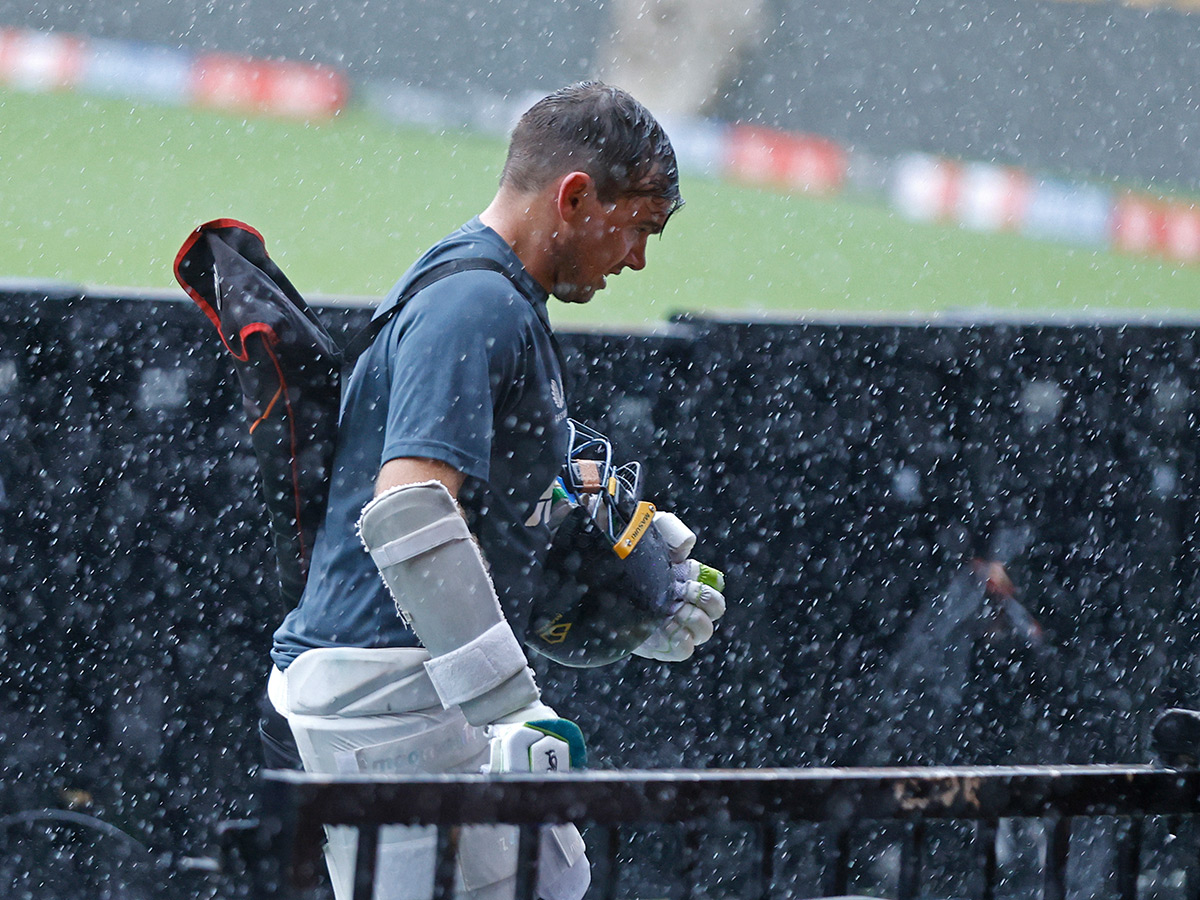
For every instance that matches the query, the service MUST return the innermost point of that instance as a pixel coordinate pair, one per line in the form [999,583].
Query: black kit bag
[290,370]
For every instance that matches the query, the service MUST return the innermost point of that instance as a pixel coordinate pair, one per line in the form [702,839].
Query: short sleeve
[454,354]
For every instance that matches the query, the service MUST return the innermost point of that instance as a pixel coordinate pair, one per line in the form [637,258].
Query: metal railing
[766,800]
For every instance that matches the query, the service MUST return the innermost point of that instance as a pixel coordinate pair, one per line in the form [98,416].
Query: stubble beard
[571,292]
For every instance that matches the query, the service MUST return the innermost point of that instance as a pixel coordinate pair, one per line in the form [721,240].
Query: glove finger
[677,653]
[703,596]
[652,646]
[694,570]
[678,537]
[670,642]
[688,570]
[712,577]
[696,623]
[680,648]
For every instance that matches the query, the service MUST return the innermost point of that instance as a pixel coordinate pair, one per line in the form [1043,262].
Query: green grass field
[102,192]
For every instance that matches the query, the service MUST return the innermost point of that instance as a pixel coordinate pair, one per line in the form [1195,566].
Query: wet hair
[598,129]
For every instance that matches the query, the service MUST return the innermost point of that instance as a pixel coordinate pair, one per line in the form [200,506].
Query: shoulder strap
[366,337]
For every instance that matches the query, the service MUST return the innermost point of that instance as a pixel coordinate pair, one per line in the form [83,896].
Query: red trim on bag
[267,412]
[249,330]
[191,242]
[206,307]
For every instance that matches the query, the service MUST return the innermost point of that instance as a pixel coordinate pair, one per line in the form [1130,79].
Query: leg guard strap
[477,667]
[446,529]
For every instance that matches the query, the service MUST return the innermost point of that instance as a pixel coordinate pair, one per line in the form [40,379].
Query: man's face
[606,239]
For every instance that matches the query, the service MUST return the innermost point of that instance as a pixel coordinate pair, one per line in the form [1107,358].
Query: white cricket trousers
[362,711]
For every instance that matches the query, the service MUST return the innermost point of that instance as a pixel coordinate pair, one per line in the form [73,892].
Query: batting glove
[698,597]
[535,739]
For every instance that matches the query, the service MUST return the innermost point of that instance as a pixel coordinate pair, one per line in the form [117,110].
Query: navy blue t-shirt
[467,373]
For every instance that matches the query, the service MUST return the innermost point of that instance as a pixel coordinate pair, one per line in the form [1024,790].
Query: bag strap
[361,341]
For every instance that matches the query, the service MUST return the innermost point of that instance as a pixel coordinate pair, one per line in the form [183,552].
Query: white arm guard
[420,543]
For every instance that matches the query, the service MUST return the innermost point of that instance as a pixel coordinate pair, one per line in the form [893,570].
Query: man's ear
[573,189]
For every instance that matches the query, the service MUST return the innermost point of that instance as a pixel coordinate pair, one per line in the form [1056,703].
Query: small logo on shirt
[541,512]
[559,399]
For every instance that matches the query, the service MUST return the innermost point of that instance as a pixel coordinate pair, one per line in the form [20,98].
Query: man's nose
[636,258]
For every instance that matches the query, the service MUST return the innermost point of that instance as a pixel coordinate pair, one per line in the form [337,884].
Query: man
[453,426]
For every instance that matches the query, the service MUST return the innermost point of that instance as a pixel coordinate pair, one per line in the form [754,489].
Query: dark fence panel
[854,480]
[137,583]
[748,833]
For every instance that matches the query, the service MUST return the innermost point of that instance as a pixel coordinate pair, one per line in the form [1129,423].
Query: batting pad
[422,547]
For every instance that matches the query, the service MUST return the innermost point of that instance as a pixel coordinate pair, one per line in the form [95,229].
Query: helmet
[606,584]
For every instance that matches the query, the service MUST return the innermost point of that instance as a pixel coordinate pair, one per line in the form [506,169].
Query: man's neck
[520,219]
